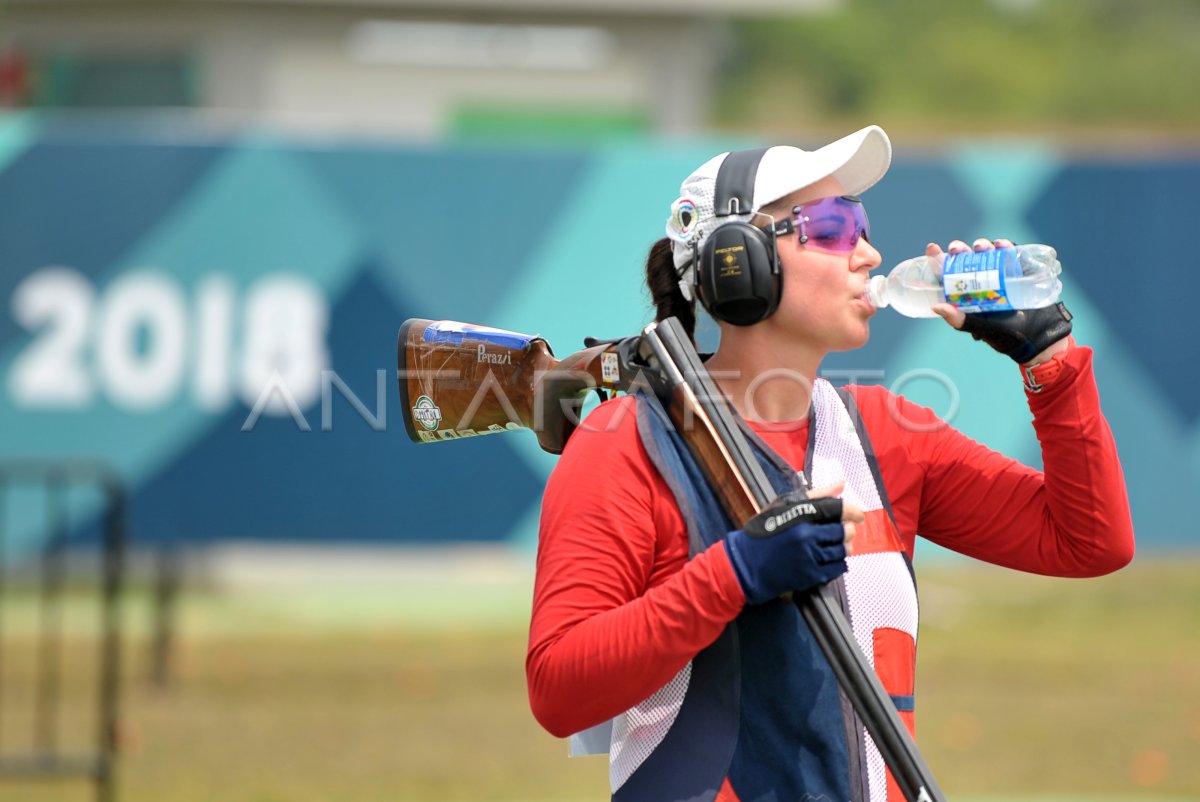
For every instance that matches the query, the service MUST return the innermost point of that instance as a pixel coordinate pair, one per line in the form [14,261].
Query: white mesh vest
[879,585]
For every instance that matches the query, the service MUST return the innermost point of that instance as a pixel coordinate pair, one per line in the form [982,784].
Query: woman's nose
[866,255]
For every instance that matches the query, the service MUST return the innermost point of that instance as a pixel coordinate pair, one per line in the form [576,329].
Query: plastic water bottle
[999,280]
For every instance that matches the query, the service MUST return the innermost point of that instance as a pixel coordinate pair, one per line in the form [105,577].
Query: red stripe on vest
[727,794]
[876,534]
[895,655]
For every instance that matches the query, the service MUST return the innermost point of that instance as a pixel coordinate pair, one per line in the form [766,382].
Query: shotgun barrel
[734,468]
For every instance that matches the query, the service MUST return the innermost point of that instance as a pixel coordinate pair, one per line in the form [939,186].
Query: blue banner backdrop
[217,319]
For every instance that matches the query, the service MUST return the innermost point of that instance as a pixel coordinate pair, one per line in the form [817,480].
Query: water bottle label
[974,281]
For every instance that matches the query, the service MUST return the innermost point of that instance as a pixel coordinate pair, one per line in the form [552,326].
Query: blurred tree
[970,65]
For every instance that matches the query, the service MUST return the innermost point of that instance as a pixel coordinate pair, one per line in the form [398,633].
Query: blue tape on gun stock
[454,333]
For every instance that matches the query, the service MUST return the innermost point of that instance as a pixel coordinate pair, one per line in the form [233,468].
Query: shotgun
[460,380]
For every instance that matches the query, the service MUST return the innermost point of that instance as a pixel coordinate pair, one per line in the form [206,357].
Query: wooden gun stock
[461,380]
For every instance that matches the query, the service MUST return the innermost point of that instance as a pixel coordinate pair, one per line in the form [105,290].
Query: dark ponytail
[663,283]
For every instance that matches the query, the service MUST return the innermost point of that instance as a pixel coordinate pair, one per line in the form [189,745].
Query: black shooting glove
[796,543]
[1021,334]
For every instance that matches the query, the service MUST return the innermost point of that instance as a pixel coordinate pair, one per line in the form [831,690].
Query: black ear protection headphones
[737,268]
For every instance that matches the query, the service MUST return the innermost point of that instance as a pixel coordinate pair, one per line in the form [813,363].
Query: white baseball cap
[857,161]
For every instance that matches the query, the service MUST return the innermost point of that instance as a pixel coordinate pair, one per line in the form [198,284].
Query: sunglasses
[832,224]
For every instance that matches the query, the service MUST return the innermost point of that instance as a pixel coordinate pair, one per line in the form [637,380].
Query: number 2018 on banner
[142,339]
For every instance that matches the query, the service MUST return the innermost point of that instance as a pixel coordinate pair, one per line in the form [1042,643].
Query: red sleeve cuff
[1039,376]
[729,589]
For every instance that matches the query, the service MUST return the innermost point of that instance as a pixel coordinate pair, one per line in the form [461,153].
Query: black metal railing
[46,755]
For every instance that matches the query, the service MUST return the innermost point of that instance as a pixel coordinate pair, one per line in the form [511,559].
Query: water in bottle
[999,280]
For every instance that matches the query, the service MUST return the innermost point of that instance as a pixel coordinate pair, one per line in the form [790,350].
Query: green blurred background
[323,646]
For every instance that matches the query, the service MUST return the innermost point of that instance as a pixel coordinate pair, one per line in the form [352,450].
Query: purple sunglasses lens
[832,224]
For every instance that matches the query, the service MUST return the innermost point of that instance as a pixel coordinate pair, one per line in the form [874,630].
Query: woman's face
[823,302]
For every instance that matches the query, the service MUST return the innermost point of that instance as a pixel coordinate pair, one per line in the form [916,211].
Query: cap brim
[857,161]
[864,157]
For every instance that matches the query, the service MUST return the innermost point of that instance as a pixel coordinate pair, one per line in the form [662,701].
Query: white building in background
[389,67]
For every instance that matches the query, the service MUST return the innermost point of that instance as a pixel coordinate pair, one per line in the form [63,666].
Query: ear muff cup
[737,271]
[738,274]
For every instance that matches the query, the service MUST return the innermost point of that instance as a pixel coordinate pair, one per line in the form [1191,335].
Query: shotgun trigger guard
[638,362]
[637,372]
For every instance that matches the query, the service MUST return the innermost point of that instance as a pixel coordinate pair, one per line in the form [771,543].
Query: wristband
[1037,376]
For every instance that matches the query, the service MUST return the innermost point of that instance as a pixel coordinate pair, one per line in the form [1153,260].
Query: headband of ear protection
[737,268]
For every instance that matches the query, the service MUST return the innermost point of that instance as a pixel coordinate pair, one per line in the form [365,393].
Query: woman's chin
[858,339]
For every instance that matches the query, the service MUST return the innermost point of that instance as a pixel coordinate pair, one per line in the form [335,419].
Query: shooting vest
[759,714]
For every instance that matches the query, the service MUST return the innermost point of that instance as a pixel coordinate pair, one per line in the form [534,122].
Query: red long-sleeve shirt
[619,609]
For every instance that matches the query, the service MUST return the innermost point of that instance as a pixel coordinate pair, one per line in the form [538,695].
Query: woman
[651,610]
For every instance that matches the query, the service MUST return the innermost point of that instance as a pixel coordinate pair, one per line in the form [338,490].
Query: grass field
[1030,689]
